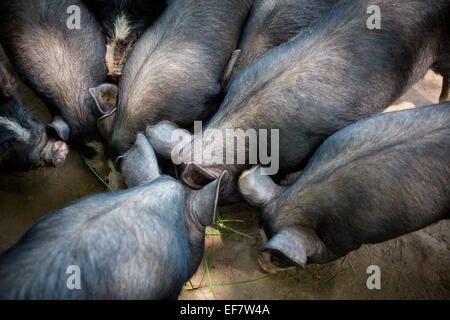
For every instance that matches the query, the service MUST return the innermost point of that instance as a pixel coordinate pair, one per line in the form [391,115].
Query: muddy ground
[414,266]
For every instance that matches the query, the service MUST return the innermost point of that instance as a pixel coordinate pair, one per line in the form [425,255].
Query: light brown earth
[414,266]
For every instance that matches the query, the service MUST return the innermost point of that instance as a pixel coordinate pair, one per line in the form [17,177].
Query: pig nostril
[59,153]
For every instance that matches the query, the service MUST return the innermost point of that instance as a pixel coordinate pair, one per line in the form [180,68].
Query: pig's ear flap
[288,244]
[166,137]
[204,202]
[139,164]
[297,246]
[58,128]
[105,97]
[105,123]
[256,188]
[229,68]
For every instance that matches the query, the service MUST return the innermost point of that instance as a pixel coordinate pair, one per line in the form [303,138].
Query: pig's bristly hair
[15,130]
[122,28]
[10,130]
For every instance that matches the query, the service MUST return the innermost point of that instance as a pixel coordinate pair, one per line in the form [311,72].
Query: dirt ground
[414,266]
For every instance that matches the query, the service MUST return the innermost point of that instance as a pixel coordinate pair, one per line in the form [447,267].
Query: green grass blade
[98,176]
[209,277]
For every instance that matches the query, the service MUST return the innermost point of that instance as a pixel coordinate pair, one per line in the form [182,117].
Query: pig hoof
[60,151]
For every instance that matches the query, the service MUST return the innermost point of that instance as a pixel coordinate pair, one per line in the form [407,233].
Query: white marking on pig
[21,133]
[122,28]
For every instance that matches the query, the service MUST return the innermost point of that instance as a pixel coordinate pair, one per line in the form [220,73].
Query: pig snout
[60,151]
[55,152]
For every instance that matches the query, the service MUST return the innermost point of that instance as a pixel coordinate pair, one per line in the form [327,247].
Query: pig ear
[139,164]
[105,123]
[59,129]
[229,68]
[256,188]
[289,245]
[204,202]
[105,98]
[166,136]
[297,246]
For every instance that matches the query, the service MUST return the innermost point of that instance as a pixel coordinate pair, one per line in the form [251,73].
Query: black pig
[141,243]
[271,23]
[175,69]
[332,74]
[123,22]
[59,62]
[375,180]
[24,143]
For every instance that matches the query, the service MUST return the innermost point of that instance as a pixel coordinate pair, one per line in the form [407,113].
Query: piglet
[371,182]
[141,243]
[24,143]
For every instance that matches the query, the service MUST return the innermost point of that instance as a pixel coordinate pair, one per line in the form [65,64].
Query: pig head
[24,143]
